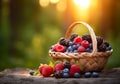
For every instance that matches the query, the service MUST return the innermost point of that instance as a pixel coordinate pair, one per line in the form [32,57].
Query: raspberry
[102,48]
[81,49]
[47,71]
[99,40]
[73,36]
[85,43]
[87,37]
[64,42]
[77,40]
[59,67]
[74,69]
[59,48]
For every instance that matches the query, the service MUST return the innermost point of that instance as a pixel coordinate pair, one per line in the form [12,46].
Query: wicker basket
[94,61]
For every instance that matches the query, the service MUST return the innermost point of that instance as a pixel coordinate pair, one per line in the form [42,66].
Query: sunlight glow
[44,3]
[61,6]
[82,3]
[54,1]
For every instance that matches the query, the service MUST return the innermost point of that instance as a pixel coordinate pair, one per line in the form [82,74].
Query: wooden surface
[21,76]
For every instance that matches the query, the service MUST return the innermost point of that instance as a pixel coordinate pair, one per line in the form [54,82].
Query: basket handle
[92,34]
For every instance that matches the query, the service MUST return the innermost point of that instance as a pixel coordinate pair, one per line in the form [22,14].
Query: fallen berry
[67,65]
[58,74]
[74,68]
[76,75]
[95,74]
[87,74]
[47,71]
[59,66]
[31,72]
[66,70]
[66,75]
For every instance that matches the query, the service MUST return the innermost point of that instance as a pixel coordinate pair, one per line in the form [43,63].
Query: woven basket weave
[94,61]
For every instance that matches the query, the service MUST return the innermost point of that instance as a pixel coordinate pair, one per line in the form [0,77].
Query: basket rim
[79,55]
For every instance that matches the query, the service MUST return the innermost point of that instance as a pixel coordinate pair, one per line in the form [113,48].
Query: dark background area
[29,27]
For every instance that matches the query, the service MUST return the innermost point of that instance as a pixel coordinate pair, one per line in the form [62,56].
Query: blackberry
[73,36]
[87,37]
[64,42]
[99,40]
[102,48]
[106,43]
[67,65]
[58,74]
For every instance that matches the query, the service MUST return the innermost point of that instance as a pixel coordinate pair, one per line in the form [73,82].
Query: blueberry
[95,74]
[66,75]
[67,65]
[66,70]
[108,48]
[59,74]
[70,48]
[90,46]
[67,50]
[70,43]
[87,74]
[74,47]
[76,75]
[31,72]
[75,51]
[88,50]
[78,45]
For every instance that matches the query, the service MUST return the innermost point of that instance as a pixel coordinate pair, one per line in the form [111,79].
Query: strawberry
[58,48]
[59,66]
[77,40]
[47,71]
[74,68]
[41,68]
[81,49]
[85,43]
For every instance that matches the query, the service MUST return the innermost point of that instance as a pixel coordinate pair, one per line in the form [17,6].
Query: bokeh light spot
[44,3]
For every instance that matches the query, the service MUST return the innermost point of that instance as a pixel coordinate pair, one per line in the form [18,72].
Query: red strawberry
[77,40]
[58,48]
[41,68]
[85,43]
[81,49]
[59,66]
[47,71]
[74,68]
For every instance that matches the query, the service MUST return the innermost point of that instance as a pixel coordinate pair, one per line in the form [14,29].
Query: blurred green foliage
[27,31]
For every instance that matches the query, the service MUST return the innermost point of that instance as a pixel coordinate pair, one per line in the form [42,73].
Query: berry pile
[64,70]
[77,44]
